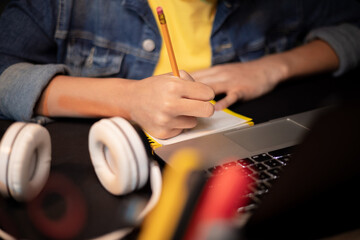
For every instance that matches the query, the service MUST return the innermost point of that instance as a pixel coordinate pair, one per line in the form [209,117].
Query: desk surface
[100,212]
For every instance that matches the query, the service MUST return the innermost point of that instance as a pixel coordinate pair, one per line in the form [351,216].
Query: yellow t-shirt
[189,23]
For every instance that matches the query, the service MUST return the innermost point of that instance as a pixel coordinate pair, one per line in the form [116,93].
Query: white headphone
[121,156]
[25,156]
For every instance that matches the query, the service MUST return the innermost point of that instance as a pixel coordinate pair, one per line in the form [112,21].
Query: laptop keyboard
[262,169]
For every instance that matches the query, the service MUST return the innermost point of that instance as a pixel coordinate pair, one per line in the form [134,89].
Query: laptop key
[258,167]
[229,165]
[246,162]
[275,172]
[261,176]
[261,157]
[273,163]
[260,187]
[285,159]
[247,170]
[247,208]
[250,204]
[282,152]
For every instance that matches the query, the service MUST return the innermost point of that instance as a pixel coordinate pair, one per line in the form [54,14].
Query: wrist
[68,96]
[278,68]
[311,58]
[123,93]
[117,95]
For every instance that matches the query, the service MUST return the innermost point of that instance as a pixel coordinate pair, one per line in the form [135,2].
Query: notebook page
[218,122]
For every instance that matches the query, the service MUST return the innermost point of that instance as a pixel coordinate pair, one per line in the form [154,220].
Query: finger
[195,108]
[183,122]
[164,133]
[197,91]
[208,79]
[186,76]
[186,87]
[183,76]
[218,88]
[204,75]
[227,101]
[173,127]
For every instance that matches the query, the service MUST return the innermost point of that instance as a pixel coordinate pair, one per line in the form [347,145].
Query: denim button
[148,45]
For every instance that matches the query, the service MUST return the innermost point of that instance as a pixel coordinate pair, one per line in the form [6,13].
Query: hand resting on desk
[249,80]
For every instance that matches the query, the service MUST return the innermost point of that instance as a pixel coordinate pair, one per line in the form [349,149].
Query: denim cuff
[21,87]
[345,41]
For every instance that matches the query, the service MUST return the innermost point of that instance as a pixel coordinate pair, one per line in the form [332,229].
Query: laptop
[246,142]
[299,177]
[316,196]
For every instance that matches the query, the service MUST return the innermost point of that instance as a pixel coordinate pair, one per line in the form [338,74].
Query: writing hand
[164,105]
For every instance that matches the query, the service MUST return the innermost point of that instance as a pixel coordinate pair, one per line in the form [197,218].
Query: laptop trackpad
[268,135]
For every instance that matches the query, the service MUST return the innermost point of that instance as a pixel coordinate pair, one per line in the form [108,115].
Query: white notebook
[218,122]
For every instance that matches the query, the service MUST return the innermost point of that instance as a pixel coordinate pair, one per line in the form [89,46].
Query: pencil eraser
[159,10]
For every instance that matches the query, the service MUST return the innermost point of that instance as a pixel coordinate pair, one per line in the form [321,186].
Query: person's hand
[164,105]
[243,81]
[252,79]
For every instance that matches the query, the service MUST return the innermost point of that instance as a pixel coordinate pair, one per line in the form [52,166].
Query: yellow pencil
[167,40]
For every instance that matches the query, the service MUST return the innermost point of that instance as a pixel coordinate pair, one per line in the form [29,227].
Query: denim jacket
[120,38]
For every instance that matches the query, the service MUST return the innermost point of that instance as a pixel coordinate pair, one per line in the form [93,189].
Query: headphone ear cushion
[25,156]
[118,155]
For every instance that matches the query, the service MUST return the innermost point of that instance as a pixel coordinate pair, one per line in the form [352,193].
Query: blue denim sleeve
[28,56]
[21,87]
[338,24]
[344,40]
